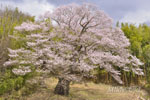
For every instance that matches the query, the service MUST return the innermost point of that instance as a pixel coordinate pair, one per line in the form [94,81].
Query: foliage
[9,18]
[8,84]
[139,37]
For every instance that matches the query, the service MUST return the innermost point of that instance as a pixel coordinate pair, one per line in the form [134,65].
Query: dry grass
[82,92]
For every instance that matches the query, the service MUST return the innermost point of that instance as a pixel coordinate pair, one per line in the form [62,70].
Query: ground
[90,91]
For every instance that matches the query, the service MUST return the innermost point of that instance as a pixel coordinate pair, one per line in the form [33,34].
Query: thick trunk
[62,87]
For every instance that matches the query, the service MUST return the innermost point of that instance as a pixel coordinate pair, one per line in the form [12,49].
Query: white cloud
[33,7]
[124,11]
[140,16]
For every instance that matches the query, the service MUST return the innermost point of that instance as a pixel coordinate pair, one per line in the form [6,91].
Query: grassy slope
[82,92]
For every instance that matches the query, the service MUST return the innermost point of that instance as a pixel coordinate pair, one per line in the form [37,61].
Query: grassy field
[90,92]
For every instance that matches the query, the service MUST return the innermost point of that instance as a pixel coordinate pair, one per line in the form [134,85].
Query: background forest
[15,86]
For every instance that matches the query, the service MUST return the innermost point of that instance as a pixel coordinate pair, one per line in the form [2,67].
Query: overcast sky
[132,11]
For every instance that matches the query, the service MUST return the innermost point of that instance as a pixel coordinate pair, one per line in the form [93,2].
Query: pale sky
[131,11]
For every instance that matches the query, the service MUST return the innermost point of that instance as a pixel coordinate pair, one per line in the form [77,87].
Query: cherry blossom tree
[79,39]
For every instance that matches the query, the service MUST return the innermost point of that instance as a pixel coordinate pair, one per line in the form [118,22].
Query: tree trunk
[62,87]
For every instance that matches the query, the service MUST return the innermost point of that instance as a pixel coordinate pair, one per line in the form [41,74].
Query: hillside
[90,91]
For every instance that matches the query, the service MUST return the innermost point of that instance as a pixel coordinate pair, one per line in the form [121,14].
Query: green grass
[82,92]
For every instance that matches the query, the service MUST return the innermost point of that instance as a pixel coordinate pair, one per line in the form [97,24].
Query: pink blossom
[27,27]
[82,40]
